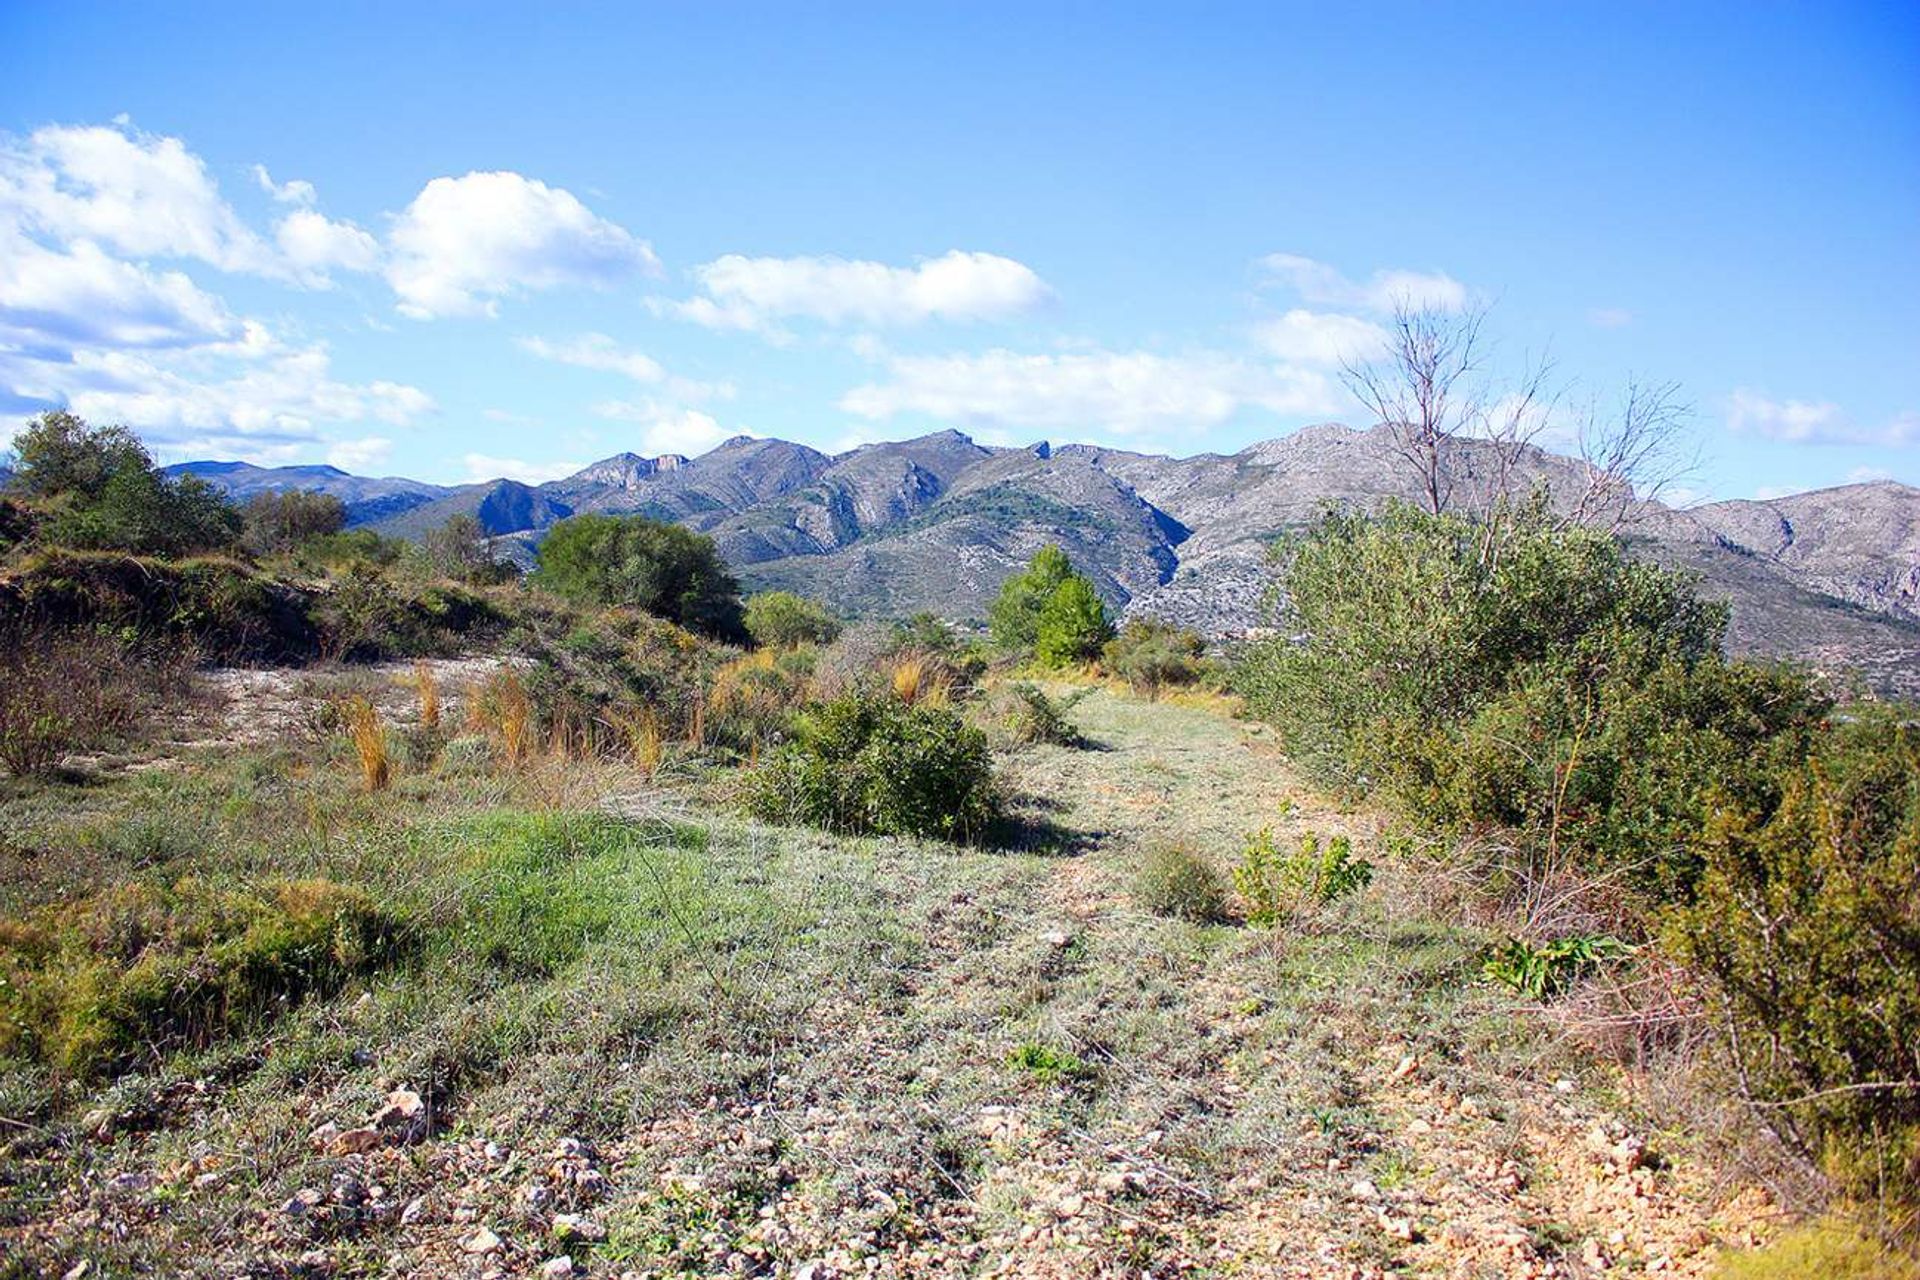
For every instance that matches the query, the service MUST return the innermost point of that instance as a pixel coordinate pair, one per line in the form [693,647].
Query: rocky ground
[910,1060]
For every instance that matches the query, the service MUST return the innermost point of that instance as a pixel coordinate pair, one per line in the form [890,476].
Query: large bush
[1151,654]
[867,763]
[1518,674]
[99,489]
[782,620]
[1805,922]
[1528,686]
[276,523]
[662,568]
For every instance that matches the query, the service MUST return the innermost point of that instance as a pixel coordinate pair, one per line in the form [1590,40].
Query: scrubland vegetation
[479,923]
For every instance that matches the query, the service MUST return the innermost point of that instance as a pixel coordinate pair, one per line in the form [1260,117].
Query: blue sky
[456,241]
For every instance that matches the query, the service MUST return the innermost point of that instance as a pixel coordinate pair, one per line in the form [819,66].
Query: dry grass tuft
[504,712]
[369,739]
[919,680]
[429,690]
[646,742]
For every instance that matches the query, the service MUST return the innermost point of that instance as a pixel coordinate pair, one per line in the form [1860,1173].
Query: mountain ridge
[937,522]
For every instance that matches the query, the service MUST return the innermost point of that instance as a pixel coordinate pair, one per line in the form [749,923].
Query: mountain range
[1831,577]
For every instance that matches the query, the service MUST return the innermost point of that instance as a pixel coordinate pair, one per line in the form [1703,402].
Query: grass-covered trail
[650,1036]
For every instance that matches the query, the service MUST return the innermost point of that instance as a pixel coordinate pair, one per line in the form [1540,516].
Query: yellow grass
[503,711]
[369,743]
[429,690]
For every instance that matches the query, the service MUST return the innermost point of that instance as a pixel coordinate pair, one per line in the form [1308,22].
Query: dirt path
[1366,1108]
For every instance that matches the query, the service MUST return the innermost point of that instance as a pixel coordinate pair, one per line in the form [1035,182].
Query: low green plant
[1151,655]
[1046,1064]
[1030,716]
[783,620]
[1274,884]
[1549,969]
[1832,1250]
[1175,881]
[142,969]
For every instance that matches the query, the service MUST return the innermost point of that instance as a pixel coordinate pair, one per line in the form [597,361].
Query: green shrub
[139,970]
[783,620]
[1029,716]
[1275,885]
[1151,655]
[278,522]
[1175,881]
[1805,924]
[669,571]
[99,490]
[867,763]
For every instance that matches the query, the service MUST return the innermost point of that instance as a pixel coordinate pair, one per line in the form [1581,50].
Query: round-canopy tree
[669,571]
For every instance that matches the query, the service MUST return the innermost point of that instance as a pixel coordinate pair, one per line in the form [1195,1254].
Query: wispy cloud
[1814,422]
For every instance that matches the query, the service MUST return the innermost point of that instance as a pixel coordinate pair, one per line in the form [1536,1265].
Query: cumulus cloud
[1322,338]
[252,398]
[669,428]
[1382,292]
[465,243]
[756,293]
[1813,422]
[360,455]
[482,466]
[80,296]
[1868,475]
[135,193]
[1128,393]
[315,245]
[599,352]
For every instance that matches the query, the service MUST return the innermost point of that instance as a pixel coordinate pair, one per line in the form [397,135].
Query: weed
[1275,885]
[1046,1064]
[1175,881]
[1548,970]
[429,690]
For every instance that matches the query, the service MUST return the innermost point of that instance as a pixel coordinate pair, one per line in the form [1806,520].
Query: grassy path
[738,1049]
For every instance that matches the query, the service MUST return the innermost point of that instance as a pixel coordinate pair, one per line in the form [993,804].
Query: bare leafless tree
[1633,454]
[1425,390]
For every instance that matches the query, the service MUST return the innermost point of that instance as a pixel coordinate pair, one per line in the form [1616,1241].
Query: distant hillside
[938,522]
[367,499]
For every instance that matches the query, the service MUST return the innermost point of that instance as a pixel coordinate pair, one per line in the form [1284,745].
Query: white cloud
[481,466]
[360,455]
[139,194]
[315,245]
[1813,422]
[1382,292]
[754,293]
[669,428]
[464,243]
[80,296]
[597,351]
[1314,337]
[1128,393]
[1609,317]
[1868,475]
[600,352]
[252,398]
[294,192]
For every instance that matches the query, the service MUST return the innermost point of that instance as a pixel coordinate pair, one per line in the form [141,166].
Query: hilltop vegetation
[601,915]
